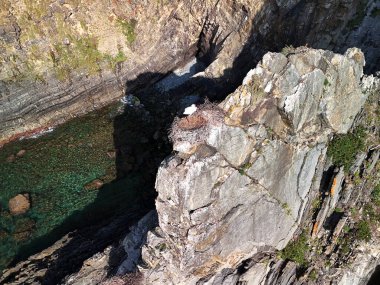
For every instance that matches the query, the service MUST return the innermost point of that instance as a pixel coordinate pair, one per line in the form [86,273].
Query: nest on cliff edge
[195,128]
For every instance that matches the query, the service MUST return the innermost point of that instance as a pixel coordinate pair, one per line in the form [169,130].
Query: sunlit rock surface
[241,180]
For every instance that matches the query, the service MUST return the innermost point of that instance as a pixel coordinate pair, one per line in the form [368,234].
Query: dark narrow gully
[375,278]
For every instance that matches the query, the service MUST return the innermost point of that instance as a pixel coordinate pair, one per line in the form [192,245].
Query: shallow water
[54,171]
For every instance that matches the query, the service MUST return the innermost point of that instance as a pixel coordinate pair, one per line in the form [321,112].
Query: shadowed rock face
[64,58]
[240,184]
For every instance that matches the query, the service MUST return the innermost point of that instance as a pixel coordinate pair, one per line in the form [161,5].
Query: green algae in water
[53,171]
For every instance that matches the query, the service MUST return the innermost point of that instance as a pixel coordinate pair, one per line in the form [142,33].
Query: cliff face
[247,171]
[62,58]
[250,195]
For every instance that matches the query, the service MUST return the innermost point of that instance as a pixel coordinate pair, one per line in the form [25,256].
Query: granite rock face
[242,179]
[64,58]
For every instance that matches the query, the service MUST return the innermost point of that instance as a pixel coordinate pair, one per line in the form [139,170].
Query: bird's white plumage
[190,110]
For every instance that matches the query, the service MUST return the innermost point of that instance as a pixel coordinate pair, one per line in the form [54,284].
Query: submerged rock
[21,153]
[249,194]
[19,204]
[94,185]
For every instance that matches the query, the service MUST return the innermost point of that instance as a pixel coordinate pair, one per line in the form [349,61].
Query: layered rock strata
[63,58]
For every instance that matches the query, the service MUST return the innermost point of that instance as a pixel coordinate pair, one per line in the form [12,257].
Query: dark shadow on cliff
[141,143]
[375,277]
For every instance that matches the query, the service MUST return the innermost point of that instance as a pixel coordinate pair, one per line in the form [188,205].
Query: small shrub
[363,231]
[371,212]
[313,275]
[343,148]
[115,60]
[244,168]
[338,210]
[376,195]
[286,208]
[345,247]
[297,250]
[128,29]
[317,202]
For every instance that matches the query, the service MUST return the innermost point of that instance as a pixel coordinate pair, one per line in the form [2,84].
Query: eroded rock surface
[241,181]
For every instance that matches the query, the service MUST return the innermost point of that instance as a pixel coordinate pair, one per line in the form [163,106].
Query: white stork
[190,110]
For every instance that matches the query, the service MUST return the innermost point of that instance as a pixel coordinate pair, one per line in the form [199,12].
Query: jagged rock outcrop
[246,171]
[64,58]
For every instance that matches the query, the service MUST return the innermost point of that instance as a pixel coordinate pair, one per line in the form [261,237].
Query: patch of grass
[313,275]
[371,212]
[128,29]
[363,231]
[317,202]
[286,208]
[243,169]
[115,60]
[338,210]
[37,9]
[354,211]
[82,53]
[376,195]
[297,250]
[343,148]
[345,244]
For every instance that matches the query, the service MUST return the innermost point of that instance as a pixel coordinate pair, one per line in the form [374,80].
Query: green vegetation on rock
[363,231]
[53,43]
[115,60]
[128,29]
[297,250]
[81,53]
[376,195]
[343,148]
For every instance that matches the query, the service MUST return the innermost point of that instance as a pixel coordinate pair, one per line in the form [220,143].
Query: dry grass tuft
[192,122]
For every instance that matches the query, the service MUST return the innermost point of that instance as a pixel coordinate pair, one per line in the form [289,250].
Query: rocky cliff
[277,184]
[247,171]
[63,58]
